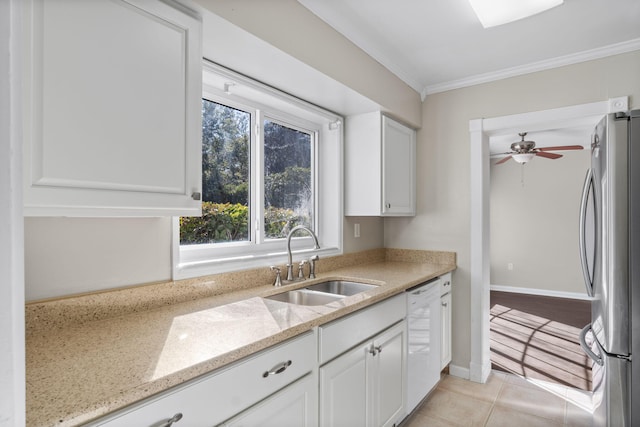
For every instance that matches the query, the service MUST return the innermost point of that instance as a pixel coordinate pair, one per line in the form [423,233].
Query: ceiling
[438,45]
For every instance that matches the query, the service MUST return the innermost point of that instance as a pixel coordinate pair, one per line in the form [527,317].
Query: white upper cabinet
[113,93]
[380,167]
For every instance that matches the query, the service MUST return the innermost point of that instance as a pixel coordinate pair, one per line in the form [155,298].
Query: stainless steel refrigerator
[610,254]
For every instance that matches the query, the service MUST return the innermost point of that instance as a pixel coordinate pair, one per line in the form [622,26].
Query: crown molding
[588,55]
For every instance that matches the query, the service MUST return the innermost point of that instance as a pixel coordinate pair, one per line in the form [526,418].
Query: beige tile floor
[505,400]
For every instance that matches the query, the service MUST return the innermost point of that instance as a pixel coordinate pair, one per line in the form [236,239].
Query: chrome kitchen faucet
[290,264]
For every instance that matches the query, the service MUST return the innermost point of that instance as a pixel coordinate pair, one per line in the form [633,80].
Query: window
[288,179]
[270,162]
[225,178]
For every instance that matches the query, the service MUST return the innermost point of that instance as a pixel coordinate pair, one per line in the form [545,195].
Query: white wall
[535,226]
[443,150]
[12,352]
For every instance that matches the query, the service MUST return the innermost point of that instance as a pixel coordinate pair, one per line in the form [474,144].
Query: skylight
[497,12]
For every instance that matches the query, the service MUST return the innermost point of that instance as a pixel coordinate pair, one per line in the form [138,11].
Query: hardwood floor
[536,337]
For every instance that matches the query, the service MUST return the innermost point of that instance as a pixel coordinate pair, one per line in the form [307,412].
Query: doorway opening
[482,132]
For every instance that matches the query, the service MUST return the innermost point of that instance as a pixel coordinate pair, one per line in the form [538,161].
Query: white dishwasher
[423,355]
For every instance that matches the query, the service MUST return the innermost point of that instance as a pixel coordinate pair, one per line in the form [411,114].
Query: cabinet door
[398,168]
[389,366]
[445,321]
[113,121]
[295,405]
[344,391]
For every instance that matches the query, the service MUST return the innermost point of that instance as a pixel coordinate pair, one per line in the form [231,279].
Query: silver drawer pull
[375,350]
[279,368]
[168,423]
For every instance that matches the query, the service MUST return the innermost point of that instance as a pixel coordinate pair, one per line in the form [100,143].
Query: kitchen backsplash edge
[79,309]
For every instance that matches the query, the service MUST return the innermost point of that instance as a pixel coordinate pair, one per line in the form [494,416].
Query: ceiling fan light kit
[492,13]
[523,158]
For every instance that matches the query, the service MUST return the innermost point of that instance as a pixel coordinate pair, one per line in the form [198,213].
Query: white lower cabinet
[366,385]
[343,389]
[445,321]
[223,394]
[389,376]
[295,405]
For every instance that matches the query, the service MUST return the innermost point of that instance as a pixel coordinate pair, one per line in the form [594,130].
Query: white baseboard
[541,292]
[459,371]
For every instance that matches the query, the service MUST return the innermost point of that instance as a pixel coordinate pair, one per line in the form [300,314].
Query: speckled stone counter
[92,354]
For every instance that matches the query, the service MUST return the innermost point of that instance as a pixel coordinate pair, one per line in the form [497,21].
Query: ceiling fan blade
[549,155]
[562,147]
[503,160]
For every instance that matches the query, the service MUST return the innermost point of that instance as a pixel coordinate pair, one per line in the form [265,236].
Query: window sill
[193,269]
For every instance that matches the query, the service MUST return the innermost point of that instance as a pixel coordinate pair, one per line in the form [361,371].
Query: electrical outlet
[356,230]
[510,266]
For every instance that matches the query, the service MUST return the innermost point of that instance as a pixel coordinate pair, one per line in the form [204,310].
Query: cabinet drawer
[340,335]
[226,392]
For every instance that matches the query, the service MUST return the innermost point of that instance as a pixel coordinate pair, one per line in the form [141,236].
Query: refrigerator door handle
[588,185]
[587,348]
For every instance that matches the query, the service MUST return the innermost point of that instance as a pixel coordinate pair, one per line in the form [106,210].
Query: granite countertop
[81,368]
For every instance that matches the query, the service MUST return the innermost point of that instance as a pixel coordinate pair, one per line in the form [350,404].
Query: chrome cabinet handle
[196,195]
[278,369]
[169,422]
[375,350]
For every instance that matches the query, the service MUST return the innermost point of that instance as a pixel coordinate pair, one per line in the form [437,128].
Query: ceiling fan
[523,151]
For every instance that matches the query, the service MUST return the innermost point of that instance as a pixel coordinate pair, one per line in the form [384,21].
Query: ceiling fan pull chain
[522,174]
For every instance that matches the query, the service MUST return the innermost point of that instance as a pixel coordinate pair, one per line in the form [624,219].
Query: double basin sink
[322,293]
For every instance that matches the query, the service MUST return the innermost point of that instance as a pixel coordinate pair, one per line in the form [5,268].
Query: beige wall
[443,216]
[73,255]
[534,223]
[292,28]
[371,233]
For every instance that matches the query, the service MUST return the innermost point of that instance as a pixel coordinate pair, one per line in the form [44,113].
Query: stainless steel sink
[341,287]
[322,293]
[305,297]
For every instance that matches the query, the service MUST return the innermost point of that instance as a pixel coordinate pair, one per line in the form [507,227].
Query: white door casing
[480,131]
[12,345]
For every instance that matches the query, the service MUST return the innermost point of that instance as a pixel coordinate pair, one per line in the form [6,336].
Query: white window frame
[229,88]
